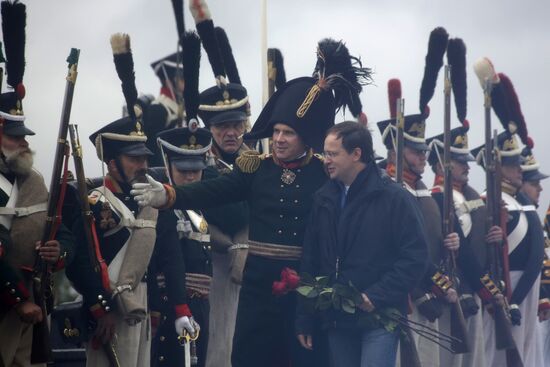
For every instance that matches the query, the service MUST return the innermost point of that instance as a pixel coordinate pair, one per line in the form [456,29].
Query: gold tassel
[310,98]
[249,161]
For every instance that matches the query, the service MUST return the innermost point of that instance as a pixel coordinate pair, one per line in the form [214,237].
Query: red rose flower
[291,278]
[279,289]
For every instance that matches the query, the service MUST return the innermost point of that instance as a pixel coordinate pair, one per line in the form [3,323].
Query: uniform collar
[296,163]
[409,177]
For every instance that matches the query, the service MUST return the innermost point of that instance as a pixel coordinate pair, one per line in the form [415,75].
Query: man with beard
[278,189]
[470,213]
[116,303]
[23,201]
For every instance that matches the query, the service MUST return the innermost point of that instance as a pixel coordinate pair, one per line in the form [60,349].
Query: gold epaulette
[249,161]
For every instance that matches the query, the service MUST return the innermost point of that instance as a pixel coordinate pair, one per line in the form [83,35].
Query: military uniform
[469,222]
[427,305]
[126,236]
[544,299]
[23,202]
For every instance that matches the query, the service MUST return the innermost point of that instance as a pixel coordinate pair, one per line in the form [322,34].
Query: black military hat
[508,147]
[414,131]
[168,67]
[308,104]
[227,103]
[459,146]
[123,136]
[11,107]
[530,166]
[415,124]
[185,148]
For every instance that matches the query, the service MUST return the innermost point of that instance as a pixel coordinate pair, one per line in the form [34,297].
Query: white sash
[126,216]
[519,232]
[422,193]
[12,190]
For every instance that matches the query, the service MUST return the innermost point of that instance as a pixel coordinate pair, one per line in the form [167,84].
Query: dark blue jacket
[377,237]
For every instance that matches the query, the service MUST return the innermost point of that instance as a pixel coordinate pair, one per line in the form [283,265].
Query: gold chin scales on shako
[278,206]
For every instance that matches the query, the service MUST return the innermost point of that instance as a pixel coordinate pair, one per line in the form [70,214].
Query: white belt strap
[24,211]
[468,206]
[137,223]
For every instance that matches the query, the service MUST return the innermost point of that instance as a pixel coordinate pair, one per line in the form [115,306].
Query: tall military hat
[530,166]
[506,106]
[185,148]
[308,104]
[125,135]
[456,57]
[415,125]
[14,17]
[225,101]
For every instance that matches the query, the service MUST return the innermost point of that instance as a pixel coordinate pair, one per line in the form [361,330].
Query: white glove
[151,193]
[186,323]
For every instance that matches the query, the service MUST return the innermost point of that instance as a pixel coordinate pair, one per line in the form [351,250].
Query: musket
[501,312]
[98,263]
[399,142]
[409,352]
[458,324]
[41,349]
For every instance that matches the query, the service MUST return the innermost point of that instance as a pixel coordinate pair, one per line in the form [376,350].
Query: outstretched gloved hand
[151,193]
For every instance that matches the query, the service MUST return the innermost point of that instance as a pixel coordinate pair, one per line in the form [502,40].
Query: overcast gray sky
[390,36]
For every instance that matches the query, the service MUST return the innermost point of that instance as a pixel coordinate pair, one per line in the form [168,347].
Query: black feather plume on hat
[456,56]
[434,61]
[276,56]
[210,44]
[336,69]
[191,45]
[124,64]
[14,19]
[177,5]
[229,63]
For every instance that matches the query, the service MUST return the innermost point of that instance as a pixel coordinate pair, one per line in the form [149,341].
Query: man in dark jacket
[367,230]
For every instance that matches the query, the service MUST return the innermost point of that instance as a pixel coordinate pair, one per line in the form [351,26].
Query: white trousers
[526,335]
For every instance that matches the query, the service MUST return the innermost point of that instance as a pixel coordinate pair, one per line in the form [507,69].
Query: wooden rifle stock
[399,143]
[501,313]
[41,349]
[458,323]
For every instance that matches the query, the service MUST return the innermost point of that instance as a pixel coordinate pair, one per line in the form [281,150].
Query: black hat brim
[17,128]
[190,163]
[229,116]
[416,145]
[135,150]
[534,175]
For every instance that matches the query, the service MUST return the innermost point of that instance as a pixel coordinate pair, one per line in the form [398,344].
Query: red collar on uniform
[440,181]
[297,163]
[112,185]
[409,177]
[167,92]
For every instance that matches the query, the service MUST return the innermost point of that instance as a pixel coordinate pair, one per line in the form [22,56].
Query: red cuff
[183,310]
[544,304]
[485,295]
[98,311]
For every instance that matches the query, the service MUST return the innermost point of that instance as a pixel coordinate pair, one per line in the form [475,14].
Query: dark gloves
[515,315]
[469,305]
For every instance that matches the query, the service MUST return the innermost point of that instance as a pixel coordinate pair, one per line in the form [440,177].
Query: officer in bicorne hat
[278,189]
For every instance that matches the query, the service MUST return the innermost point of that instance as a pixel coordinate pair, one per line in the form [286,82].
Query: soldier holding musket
[517,263]
[126,236]
[469,213]
[435,289]
[279,190]
[23,217]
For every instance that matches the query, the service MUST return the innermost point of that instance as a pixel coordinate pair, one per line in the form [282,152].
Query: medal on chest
[288,176]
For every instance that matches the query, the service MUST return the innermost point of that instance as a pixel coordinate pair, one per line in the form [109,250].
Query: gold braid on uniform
[249,161]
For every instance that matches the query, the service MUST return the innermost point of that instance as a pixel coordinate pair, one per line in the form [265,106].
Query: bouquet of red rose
[320,295]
